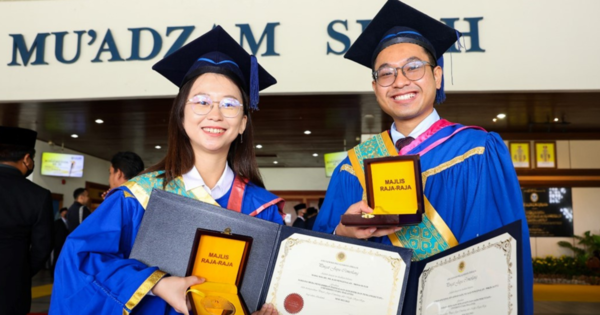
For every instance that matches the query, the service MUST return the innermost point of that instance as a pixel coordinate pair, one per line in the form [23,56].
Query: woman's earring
[241,138]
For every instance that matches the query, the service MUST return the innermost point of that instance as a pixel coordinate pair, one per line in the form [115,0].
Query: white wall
[294,178]
[94,170]
[525,44]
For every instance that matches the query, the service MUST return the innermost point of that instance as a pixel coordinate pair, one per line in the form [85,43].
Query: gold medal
[215,305]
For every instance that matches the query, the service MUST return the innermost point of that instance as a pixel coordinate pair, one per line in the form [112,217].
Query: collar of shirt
[421,127]
[192,179]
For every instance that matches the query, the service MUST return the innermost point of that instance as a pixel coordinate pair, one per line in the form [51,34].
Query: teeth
[213,130]
[405,96]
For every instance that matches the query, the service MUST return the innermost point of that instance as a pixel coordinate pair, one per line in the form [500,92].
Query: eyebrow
[207,94]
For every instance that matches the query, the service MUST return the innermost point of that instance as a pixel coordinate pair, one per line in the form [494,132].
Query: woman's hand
[173,289]
[362,232]
[267,309]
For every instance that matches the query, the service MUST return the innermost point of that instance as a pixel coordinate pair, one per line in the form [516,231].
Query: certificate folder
[166,238]
[413,304]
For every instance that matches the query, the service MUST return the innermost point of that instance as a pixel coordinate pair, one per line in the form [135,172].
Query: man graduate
[469,182]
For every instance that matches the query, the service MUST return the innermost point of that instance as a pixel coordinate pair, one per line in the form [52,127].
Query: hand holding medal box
[394,192]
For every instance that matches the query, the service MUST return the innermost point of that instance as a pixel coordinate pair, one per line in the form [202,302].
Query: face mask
[29,171]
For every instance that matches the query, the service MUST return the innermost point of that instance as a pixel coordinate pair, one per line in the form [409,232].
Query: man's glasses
[414,70]
[202,104]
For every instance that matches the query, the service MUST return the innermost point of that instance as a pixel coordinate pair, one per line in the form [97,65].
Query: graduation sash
[141,188]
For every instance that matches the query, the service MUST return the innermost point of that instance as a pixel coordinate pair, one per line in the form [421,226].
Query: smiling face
[407,102]
[213,133]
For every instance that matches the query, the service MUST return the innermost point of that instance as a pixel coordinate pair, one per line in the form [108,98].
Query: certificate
[481,279]
[320,276]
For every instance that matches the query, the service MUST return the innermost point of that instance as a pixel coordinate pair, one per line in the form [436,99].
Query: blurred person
[25,220]
[300,221]
[61,231]
[78,211]
[311,216]
[123,167]
[210,157]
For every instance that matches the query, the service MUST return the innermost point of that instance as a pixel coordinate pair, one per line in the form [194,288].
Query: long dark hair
[180,155]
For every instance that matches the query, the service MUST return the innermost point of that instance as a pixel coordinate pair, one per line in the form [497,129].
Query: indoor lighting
[556,119]
[74,136]
[259,146]
[501,116]
[275,162]
[494,120]
[307,132]
[99,121]
[157,147]
[315,154]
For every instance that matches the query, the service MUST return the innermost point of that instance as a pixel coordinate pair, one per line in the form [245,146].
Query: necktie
[401,143]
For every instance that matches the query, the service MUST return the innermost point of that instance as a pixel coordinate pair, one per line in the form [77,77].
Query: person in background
[311,216]
[210,157]
[123,167]
[300,221]
[469,182]
[61,231]
[78,211]
[25,220]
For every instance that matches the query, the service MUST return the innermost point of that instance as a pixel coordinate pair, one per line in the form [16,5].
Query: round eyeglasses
[202,104]
[414,70]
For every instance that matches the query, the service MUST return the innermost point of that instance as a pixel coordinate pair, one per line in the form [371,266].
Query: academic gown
[94,274]
[470,188]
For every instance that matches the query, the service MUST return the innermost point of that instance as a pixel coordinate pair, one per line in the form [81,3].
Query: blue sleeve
[93,273]
[501,193]
[480,194]
[344,190]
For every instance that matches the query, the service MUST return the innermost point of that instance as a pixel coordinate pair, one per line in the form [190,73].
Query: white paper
[318,276]
[481,279]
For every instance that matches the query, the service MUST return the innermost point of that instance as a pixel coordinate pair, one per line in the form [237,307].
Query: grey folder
[167,232]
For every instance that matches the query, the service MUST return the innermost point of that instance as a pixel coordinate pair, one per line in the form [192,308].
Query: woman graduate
[210,158]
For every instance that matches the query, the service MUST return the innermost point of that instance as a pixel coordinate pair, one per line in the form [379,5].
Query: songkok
[15,136]
[300,206]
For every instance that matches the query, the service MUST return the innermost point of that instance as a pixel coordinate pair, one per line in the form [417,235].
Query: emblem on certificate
[394,192]
[220,258]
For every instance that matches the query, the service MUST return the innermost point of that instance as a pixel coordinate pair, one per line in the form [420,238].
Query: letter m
[268,33]
[19,47]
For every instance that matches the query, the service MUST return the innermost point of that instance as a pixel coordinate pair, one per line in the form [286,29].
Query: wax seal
[293,303]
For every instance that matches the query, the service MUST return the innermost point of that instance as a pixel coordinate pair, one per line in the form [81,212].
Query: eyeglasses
[414,70]
[202,104]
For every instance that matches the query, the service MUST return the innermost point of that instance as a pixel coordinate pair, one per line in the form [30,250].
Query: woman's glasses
[202,104]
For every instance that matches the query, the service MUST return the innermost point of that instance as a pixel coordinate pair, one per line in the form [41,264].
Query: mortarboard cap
[216,49]
[17,137]
[300,206]
[398,23]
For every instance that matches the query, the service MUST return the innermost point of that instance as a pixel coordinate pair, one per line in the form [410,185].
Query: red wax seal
[293,303]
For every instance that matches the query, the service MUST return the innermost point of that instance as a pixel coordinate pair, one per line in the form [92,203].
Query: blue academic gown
[469,180]
[94,274]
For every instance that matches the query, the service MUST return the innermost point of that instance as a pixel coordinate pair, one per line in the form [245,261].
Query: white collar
[192,179]
[421,127]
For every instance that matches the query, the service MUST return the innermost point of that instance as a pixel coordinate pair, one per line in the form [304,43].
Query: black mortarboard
[18,137]
[300,206]
[216,49]
[398,23]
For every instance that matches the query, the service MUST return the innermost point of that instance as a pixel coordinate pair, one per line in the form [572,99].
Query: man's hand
[267,309]
[173,289]
[362,232]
